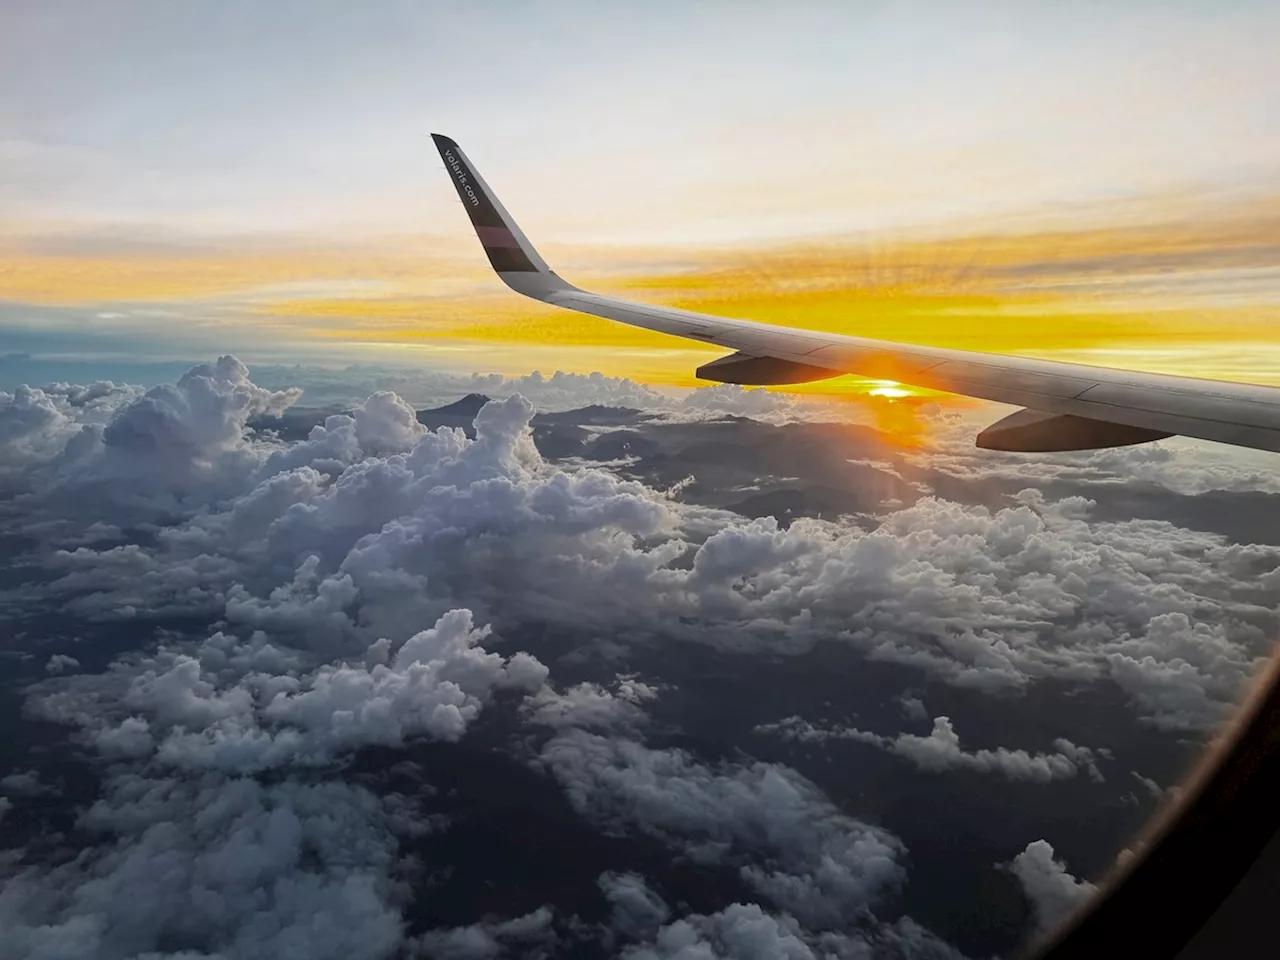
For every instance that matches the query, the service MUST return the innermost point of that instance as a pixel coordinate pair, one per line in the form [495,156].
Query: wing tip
[444,143]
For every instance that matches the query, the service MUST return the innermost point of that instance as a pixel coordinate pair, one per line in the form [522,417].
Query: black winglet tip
[442,141]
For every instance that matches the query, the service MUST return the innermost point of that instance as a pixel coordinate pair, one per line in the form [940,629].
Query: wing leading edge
[1069,406]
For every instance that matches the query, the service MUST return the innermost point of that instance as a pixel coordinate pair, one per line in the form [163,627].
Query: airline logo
[464,185]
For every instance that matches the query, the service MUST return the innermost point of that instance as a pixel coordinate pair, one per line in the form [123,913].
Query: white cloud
[434,388]
[492,938]
[219,862]
[36,423]
[747,932]
[941,750]
[60,662]
[637,911]
[243,707]
[558,391]
[729,398]
[995,600]
[159,455]
[739,932]
[326,539]
[591,706]
[1150,785]
[913,708]
[1186,467]
[1182,674]
[380,426]
[787,839]
[30,425]
[224,864]
[195,422]
[326,559]
[25,783]
[567,391]
[220,867]
[1052,891]
[130,738]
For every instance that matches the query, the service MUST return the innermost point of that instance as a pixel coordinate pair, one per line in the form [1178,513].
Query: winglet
[513,257]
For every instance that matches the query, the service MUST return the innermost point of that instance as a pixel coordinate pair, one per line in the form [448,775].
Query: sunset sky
[1084,181]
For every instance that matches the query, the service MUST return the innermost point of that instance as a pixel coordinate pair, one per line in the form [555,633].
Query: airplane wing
[1067,406]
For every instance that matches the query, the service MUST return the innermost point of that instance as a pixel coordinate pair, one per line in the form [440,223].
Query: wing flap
[1181,404]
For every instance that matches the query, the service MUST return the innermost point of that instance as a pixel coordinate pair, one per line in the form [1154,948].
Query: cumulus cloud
[219,862]
[481,518]
[735,400]
[637,911]
[167,452]
[787,839]
[242,707]
[432,388]
[322,880]
[60,662]
[640,917]
[25,783]
[220,867]
[530,935]
[591,706]
[566,391]
[200,417]
[558,391]
[941,751]
[30,424]
[222,863]
[36,423]
[381,425]
[1183,674]
[1148,784]
[747,932]
[996,599]
[739,931]
[1052,892]
[325,536]
[913,708]
[344,577]
[328,538]
[824,870]
[1183,466]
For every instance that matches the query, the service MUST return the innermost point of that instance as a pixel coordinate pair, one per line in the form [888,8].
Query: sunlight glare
[889,388]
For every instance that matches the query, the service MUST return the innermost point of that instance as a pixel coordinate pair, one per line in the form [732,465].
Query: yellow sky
[1196,292]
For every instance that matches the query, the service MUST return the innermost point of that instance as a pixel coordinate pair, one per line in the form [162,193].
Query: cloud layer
[371,587]
[1052,891]
[941,750]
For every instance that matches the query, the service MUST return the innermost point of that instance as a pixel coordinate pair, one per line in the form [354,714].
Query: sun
[888,388]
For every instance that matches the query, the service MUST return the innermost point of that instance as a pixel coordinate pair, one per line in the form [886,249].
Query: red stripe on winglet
[497,237]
